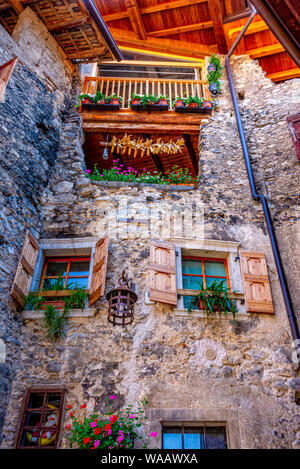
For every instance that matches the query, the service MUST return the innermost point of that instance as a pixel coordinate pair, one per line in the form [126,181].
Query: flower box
[150,107]
[193,109]
[101,107]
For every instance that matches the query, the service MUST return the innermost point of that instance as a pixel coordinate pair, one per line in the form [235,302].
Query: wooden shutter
[256,282]
[294,126]
[99,270]
[163,273]
[25,269]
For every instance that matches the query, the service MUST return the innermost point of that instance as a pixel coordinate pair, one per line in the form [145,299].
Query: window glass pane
[216,438]
[192,267]
[172,438]
[192,283]
[32,419]
[56,268]
[186,301]
[53,400]
[76,282]
[79,268]
[36,401]
[210,280]
[194,438]
[215,268]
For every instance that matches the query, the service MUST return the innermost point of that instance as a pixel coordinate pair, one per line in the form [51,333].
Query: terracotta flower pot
[193,105]
[179,103]
[207,104]
[163,102]
[115,101]
[85,101]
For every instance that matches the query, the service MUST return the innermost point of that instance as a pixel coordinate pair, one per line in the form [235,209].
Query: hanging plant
[214,74]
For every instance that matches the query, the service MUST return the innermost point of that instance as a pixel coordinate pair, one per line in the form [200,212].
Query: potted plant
[113,99]
[135,99]
[163,100]
[193,101]
[215,298]
[214,74]
[85,99]
[178,102]
[99,98]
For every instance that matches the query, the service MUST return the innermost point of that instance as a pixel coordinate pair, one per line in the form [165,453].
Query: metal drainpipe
[261,197]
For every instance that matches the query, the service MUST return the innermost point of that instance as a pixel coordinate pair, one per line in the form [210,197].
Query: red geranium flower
[107,427]
[83,406]
[69,406]
[86,440]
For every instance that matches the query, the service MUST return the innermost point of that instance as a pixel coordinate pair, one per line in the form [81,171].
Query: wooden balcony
[126,120]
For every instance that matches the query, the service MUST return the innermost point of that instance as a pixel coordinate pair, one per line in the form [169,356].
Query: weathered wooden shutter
[99,270]
[163,273]
[256,282]
[25,269]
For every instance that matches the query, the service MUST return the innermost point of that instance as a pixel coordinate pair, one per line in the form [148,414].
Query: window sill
[202,314]
[73,313]
[171,187]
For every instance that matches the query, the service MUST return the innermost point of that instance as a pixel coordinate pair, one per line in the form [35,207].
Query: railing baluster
[124,94]
[129,93]
[181,89]
[170,94]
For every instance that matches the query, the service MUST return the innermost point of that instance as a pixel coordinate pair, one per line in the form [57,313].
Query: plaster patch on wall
[207,353]
[2,351]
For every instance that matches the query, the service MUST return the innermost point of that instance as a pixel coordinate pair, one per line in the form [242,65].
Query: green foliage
[113,96]
[54,318]
[215,75]
[193,99]
[214,299]
[113,431]
[83,96]
[99,97]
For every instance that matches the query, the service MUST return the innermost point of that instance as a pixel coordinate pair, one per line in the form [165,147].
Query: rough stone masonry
[187,367]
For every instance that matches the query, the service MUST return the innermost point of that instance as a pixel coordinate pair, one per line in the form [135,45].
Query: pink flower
[153,434]
[94,424]
[96,443]
[112,397]
[87,171]
[109,431]
[131,416]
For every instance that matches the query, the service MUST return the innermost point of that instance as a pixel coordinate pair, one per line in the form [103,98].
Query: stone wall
[162,355]
[31,117]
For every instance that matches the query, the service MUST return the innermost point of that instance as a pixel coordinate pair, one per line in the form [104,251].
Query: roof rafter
[17,6]
[181,29]
[136,19]
[216,16]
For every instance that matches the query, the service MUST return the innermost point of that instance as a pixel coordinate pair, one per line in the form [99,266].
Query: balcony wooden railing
[124,87]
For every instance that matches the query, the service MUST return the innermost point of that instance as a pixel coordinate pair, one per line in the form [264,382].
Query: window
[41,419]
[197,271]
[192,437]
[74,272]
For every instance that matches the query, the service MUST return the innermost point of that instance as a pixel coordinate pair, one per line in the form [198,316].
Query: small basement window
[194,437]
[41,419]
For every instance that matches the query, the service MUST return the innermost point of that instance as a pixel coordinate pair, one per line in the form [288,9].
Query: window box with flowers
[149,102]
[193,104]
[118,173]
[99,102]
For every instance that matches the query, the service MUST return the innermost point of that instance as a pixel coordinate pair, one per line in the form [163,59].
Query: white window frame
[211,248]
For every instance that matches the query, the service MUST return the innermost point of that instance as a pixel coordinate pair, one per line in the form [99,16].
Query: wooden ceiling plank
[256,27]
[55,27]
[87,54]
[216,16]
[284,74]
[181,29]
[265,51]
[175,47]
[136,19]
[17,6]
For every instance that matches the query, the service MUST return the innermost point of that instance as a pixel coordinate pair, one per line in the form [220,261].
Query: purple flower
[112,397]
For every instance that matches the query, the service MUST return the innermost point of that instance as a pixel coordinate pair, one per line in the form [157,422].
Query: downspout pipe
[90,5]
[261,198]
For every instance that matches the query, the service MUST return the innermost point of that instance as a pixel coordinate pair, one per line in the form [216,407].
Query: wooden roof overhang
[197,28]
[76,25]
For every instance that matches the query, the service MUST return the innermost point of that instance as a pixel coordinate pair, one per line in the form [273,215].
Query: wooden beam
[256,27]
[55,27]
[17,6]
[191,153]
[128,116]
[136,19]
[120,15]
[139,128]
[181,29]
[284,74]
[88,54]
[265,51]
[216,16]
[175,47]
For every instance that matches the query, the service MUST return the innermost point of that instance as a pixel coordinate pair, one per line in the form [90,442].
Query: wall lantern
[121,302]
